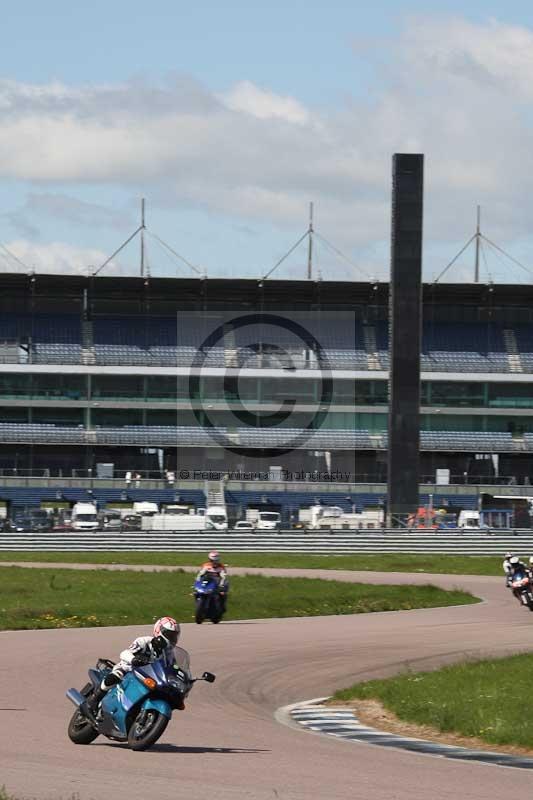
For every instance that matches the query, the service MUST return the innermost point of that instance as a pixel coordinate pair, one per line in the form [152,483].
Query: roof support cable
[117,251]
[15,258]
[282,259]
[175,253]
[342,255]
[460,253]
[514,260]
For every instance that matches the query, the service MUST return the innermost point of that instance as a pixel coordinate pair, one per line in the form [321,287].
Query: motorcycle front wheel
[146,729]
[80,730]
[200,612]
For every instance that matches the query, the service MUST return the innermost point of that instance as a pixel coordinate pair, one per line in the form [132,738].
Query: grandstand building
[274,385]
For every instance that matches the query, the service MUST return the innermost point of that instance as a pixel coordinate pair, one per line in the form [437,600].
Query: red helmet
[214,557]
[169,629]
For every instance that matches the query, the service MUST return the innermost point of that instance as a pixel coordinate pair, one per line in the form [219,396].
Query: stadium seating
[294,438]
[170,341]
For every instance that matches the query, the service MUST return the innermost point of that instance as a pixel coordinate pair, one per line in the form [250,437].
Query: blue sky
[231,117]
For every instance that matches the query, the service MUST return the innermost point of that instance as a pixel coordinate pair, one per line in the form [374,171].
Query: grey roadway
[227,743]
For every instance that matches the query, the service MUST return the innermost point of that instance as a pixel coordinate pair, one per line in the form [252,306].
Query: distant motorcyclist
[516,569]
[507,567]
[142,651]
[214,567]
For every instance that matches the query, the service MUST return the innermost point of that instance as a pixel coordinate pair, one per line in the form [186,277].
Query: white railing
[388,541]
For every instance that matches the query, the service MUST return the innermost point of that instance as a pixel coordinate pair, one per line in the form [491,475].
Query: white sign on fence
[442,477]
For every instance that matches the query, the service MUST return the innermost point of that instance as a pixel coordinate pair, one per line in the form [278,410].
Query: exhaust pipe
[76,697]
[81,702]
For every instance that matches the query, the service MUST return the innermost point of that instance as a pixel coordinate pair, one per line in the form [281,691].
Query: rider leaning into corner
[214,566]
[143,650]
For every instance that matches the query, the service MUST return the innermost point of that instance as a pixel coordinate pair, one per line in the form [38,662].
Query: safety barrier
[387,541]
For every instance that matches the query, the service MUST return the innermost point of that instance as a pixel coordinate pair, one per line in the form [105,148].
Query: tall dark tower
[405,333]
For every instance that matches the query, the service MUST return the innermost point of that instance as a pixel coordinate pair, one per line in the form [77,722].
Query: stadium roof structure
[231,290]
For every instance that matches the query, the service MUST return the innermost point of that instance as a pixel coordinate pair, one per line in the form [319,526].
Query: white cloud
[53,257]
[459,92]
[263,104]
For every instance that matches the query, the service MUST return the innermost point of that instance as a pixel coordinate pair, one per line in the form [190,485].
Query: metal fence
[325,543]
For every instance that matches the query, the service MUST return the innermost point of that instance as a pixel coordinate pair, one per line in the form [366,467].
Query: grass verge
[63,598]
[452,565]
[473,699]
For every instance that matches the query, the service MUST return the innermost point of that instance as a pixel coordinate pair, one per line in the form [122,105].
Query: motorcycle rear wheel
[143,735]
[80,730]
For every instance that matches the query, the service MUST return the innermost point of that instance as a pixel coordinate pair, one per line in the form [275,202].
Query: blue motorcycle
[139,708]
[208,602]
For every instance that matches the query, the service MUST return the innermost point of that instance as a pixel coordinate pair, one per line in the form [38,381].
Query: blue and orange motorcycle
[208,599]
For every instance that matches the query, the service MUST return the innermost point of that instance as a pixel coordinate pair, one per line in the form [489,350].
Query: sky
[230,118]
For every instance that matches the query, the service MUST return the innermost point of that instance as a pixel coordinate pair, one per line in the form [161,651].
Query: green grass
[489,699]
[454,565]
[63,598]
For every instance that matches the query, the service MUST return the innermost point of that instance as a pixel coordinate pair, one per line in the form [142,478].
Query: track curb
[342,723]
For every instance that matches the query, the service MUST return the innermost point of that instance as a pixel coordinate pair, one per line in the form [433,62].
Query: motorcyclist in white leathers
[143,650]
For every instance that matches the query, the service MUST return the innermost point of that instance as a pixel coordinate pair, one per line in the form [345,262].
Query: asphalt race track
[227,744]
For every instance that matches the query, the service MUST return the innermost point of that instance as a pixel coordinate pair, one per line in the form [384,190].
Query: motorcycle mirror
[209,677]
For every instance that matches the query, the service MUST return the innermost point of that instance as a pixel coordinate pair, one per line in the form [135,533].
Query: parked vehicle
[62,525]
[139,708]
[19,524]
[145,508]
[522,589]
[84,517]
[264,520]
[469,520]
[208,604]
[244,525]
[132,522]
[62,522]
[111,520]
[186,519]
[319,517]
[41,520]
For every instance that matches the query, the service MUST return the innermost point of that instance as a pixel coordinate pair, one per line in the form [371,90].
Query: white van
[468,521]
[268,521]
[84,517]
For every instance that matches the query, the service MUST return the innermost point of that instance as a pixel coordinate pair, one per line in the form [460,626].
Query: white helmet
[168,629]
[531,560]
[508,555]
[514,560]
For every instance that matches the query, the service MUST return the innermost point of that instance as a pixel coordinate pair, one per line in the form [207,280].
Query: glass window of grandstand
[58,416]
[452,422]
[115,417]
[510,395]
[476,422]
[280,389]
[55,386]
[18,414]
[161,418]
[338,420]
[167,388]
[118,387]
[368,393]
[334,420]
[453,393]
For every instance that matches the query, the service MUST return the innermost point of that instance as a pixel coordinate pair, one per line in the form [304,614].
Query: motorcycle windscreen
[157,670]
